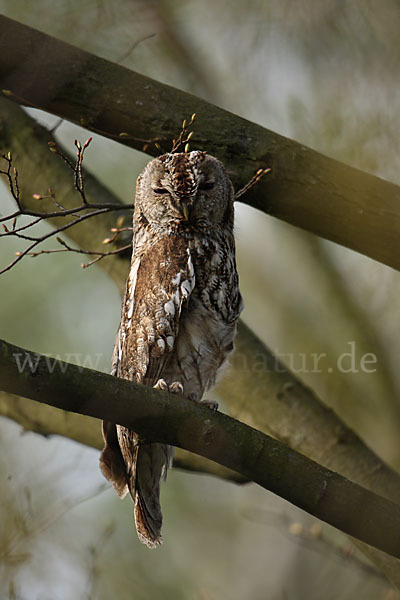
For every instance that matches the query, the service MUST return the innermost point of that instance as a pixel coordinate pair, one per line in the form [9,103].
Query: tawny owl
[179,312]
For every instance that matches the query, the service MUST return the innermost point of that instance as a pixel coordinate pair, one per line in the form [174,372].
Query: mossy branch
[48,421]
[159,417]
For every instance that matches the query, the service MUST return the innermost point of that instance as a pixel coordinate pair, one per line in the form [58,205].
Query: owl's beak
[185,210]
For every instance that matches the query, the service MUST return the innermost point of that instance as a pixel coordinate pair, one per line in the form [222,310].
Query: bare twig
[83,211]
[184,135]
[77,167]
[68,248]
[79,183]
[147,143]
[56,126]
[42,238]
[255,179]
[182,139]
[133,47]
[65,213]
[116,231]
[15,230]
[52,197]
[12,176]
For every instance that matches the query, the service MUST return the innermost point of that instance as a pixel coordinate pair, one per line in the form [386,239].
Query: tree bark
[158,417]
[305,188]
[49,421]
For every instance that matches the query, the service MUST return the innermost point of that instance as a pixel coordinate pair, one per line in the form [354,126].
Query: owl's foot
[175,388]
[210,403]
[161,385]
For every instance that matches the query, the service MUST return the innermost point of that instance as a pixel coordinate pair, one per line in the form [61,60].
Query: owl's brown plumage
[179,312]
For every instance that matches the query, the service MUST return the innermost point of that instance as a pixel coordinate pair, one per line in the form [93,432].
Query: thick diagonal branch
[305,188]
[160,418]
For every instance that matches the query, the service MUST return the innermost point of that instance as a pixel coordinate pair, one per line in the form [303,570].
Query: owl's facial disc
[177,183]
[186,188]
[179,207]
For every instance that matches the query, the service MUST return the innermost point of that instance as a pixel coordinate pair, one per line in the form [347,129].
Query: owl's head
[184,191]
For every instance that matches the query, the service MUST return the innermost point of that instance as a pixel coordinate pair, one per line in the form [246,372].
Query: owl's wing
[160,283]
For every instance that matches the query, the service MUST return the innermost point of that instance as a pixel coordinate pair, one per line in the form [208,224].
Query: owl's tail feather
[145,491]
[137,467]
[148,526]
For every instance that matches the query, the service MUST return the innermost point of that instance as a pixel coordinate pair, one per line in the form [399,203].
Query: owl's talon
[176,388]
[211,404]
[161,385]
